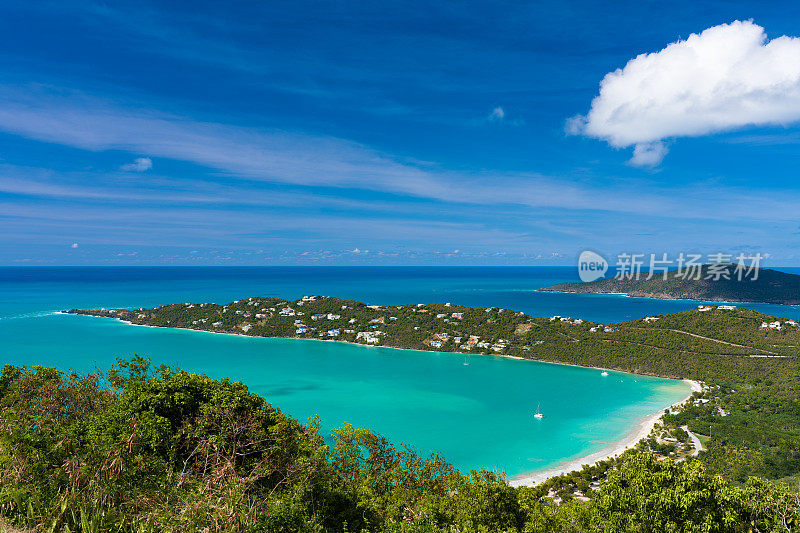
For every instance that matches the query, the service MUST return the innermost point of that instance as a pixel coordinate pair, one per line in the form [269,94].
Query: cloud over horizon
[727,77]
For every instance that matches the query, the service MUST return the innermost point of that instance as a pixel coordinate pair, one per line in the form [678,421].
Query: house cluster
[650,318]
[370,337]
[328,316]
[777,324]
[439,339]
[703,308]
[475,342]
[301,329]
[471,342]
[500,345]
[443,316]
[600,327]
[573,321]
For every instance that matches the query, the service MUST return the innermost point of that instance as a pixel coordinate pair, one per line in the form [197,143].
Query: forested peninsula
[709,282]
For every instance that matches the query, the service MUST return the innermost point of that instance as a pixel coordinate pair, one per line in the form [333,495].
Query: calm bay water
[475,410]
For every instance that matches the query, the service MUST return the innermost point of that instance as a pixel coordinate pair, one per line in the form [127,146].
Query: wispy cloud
[313,161]
[140,164]
[497,114]
[81,121]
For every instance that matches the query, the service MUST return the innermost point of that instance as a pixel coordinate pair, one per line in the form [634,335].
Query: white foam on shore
[37,314]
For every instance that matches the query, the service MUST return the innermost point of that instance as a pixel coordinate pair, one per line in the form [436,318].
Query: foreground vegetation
[748,417]
[166,450]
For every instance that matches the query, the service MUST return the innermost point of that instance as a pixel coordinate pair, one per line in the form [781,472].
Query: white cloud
[648,154]
[727,77]
[497,114]
[140,164]
[574,125]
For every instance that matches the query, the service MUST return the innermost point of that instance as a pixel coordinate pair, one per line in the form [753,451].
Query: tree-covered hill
[768,286]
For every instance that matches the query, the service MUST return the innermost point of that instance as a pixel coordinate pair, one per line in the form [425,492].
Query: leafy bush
[166,450]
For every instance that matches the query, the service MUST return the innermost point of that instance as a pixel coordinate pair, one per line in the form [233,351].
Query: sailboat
[538,414]
[466,361]
[604,373]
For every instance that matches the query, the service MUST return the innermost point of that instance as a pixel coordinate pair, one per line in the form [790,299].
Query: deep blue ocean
[475,410]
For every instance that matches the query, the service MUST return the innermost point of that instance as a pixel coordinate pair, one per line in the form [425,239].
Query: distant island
[769,286]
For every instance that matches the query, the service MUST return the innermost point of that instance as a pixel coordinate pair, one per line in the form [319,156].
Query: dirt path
[698,446]
[710,339]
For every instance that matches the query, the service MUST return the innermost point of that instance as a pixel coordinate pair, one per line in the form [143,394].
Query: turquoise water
[478,415]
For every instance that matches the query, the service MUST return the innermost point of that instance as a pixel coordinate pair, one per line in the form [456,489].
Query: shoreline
[642,429]
[626,295]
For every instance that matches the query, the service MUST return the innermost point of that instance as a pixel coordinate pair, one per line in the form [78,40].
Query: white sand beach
[641,431]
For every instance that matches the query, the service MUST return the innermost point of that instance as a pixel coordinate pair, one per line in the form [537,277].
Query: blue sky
[396,132]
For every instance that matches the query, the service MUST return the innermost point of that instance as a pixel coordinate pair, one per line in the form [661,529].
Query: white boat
[538,414]
[603,373]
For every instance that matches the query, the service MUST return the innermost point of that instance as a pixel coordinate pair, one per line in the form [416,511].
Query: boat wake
[38,314]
